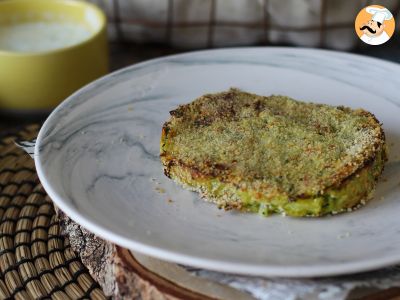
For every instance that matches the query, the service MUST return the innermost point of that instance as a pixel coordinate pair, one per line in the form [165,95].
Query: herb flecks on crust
[261,153]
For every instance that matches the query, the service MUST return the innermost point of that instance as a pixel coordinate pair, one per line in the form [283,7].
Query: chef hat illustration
[379,14]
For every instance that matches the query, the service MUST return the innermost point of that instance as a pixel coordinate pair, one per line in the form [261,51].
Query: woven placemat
[36,261]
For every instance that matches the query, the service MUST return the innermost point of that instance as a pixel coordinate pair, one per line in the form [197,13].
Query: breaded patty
[274,154]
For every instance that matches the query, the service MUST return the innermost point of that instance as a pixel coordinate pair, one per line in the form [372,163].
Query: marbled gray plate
[97,157]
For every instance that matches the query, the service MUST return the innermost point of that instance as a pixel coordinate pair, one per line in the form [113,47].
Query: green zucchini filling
[354,191]
[274,154]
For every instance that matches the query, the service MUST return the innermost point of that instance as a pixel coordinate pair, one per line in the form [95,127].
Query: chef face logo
[374,25]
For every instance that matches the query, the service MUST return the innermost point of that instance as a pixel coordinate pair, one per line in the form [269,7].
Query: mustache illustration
[368,28]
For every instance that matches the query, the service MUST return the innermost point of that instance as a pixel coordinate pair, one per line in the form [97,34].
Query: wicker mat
[36,261]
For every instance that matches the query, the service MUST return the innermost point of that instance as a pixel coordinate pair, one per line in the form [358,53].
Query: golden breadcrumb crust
[267,148]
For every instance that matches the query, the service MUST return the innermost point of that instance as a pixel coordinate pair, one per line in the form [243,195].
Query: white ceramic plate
[97,157]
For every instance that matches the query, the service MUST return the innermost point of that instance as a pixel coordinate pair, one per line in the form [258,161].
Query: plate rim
[102,231]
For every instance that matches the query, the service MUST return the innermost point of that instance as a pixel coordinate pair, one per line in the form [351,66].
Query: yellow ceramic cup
[41,80]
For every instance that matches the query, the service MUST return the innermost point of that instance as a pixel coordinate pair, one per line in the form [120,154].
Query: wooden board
[43,253]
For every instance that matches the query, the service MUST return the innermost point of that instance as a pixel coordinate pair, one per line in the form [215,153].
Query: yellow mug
[38,81]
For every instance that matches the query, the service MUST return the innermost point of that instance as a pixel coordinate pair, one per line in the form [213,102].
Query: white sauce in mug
[41,36]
